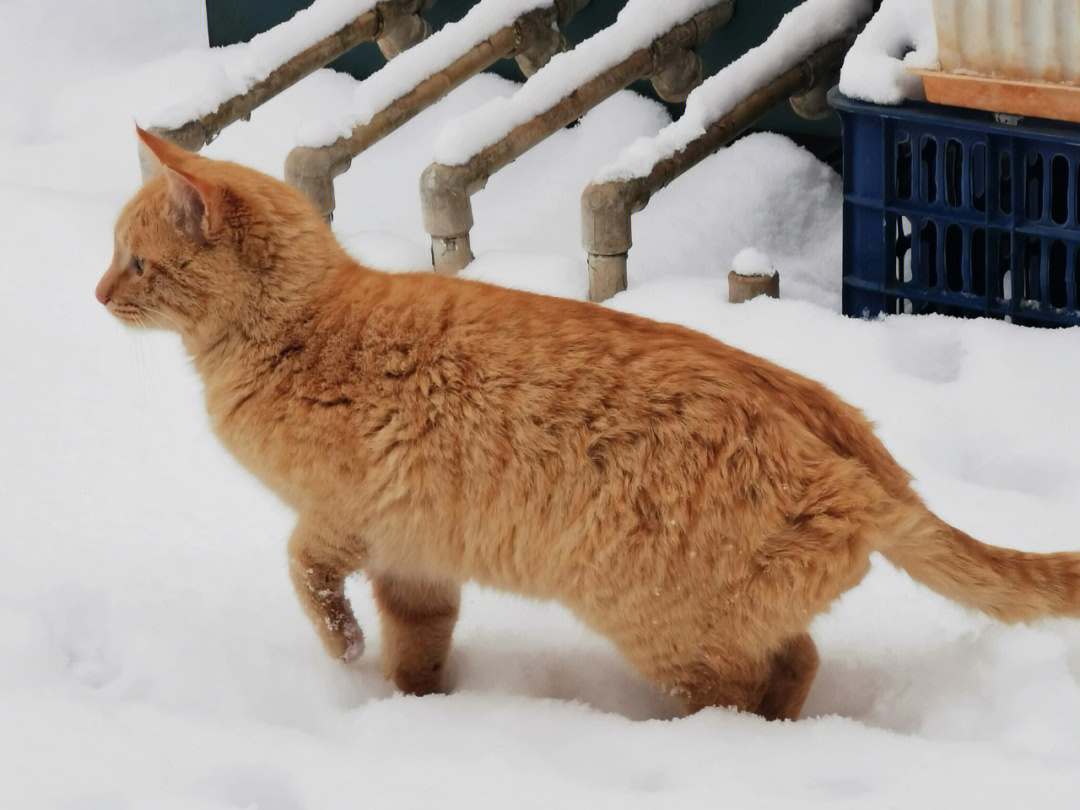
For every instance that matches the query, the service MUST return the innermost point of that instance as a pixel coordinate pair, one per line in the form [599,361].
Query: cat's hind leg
[793,669]
[773,686]
[731,683]
[319,562]
[418,618]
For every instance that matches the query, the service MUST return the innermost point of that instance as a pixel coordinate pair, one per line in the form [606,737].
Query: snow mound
[901,35]
[763,191]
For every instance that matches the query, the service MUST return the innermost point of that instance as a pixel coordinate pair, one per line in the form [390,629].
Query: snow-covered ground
[152,654]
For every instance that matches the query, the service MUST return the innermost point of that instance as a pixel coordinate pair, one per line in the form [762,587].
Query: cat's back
[470,352]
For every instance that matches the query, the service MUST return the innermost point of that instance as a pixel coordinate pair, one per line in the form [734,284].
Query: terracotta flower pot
[1033,40]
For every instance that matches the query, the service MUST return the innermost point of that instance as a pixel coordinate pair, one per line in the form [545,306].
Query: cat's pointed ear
[167,154]
[198,204]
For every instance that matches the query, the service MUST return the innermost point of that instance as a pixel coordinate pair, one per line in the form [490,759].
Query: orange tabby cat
[695,504]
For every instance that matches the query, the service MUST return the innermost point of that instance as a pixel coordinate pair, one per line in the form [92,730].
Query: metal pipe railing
[606,207]
[446,190]
[394,24]
[532,38]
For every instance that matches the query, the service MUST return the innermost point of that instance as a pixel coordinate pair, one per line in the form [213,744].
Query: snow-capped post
[809,44]
[348,26]
[546,103]
[752,275]
[421,76]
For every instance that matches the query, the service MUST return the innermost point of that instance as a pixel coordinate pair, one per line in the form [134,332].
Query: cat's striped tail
[1007,584]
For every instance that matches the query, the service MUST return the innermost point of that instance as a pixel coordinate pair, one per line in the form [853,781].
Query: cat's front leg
[319,561]
[418,618]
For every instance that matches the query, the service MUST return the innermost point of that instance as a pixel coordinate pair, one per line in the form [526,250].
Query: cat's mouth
[130,314]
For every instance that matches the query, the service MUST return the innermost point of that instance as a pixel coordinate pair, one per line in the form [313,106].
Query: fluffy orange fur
[695,504]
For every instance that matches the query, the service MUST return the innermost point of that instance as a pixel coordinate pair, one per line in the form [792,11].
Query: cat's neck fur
[242,334]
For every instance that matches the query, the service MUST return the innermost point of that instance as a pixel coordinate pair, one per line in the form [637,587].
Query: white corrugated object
[1035,40]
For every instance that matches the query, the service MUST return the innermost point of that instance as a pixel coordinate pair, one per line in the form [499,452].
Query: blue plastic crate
[951,211]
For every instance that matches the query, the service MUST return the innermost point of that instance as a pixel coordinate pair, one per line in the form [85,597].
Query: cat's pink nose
[104,289]
[108,282]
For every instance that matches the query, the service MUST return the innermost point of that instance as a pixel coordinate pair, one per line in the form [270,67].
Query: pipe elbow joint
[312,170]
[444,197]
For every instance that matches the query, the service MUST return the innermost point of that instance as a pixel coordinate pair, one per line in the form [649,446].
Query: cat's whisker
[170,318]
[144,360]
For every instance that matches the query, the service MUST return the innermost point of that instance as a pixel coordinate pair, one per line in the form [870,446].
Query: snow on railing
[493,29]
[635,28]
[803,52]
[235,79]
[646,40]
[398,77]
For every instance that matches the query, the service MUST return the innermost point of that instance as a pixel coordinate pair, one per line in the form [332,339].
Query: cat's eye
[139,266]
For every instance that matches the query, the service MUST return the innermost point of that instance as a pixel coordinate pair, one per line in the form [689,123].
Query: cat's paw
[353,650]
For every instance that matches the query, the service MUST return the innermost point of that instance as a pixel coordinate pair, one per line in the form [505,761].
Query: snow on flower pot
[1023,40]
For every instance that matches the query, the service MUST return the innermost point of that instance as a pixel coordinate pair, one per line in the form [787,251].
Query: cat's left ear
[167,154]
[197,204]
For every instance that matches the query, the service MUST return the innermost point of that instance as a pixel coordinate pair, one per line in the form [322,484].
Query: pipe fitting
[605,233]
[400,33]
[444,196]
[605,217]
[312,171]
[680,73]
[677,69]
[811,103]
[538,39]
[445,199]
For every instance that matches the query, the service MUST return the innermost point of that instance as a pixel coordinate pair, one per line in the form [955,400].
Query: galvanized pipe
[445,191]
[382,19]
[606,207]
[313,169]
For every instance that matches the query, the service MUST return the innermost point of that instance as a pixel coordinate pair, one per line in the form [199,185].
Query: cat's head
[206,243]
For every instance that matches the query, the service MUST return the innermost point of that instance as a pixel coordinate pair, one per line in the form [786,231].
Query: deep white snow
[152,654]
